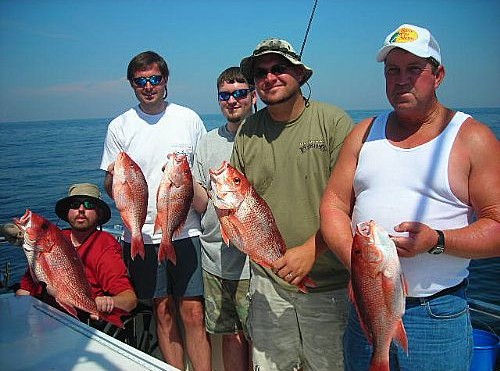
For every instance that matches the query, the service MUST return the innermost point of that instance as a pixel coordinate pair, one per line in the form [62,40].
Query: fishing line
[304,44]
[308,28]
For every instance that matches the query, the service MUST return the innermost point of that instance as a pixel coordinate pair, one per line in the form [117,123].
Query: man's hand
[105,304]
[421,238]
[12,233]
[295,264]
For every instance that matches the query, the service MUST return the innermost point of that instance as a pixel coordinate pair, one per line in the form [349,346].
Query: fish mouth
[365,228]
[220,192]
[24,223]
[213,173]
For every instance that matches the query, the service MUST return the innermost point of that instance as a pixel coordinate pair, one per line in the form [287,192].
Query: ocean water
[39,160]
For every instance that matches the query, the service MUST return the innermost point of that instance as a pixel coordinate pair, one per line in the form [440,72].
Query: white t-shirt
[147,139]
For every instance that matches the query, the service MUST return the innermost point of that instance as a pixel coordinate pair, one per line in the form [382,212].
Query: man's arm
[338,198]
[200,198]
[125,300]
[108,180]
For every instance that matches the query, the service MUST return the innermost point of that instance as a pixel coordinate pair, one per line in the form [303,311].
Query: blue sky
[68,59]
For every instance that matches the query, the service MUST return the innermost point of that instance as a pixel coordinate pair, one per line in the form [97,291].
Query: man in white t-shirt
[147,133]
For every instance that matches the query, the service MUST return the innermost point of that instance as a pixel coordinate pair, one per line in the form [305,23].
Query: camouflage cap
[275,46]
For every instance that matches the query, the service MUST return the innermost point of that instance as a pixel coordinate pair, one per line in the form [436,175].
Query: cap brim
[62,207]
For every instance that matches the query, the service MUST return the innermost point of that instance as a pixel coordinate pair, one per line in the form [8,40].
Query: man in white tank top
[421,171]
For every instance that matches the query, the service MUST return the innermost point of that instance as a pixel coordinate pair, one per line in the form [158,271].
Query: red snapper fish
[246,219]
[173,201]
[378,291]
[130,192]
[52,259]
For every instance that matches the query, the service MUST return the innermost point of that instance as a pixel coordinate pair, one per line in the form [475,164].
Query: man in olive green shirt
[287,151]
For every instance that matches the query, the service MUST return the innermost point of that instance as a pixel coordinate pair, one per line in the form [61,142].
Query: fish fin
[302,288]
[157,227]
[405,285]
[137,246]
[350,293]
[305,283]
[400,335]
[239,232]
[352,297]
[166,250]
[225,238]
[68,308]
[116,322]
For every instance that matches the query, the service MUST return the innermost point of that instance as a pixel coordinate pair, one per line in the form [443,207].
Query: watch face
[439,248]
[436,250]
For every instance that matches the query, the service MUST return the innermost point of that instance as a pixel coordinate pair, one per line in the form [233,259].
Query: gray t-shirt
[217,258]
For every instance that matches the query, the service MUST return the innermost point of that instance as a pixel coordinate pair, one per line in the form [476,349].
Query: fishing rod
[308,28]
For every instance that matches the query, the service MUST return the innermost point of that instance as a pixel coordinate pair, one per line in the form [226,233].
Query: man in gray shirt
[226,273]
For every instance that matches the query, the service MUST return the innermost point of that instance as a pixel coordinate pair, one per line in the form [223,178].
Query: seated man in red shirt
[101,253]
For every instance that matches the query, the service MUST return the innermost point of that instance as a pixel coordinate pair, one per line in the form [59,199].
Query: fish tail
[379,365]
[166,250]
[157,227]
[137,246]
[117,322]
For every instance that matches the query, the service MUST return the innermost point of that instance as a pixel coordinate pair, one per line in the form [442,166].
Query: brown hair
[145,59]
[232,75]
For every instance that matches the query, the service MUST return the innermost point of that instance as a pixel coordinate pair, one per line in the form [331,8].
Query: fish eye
[236,180]
[44,226]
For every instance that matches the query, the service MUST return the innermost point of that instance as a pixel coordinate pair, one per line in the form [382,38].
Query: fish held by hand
[173,201]
[246,219]
[378,290]
[52,259]
[130,193]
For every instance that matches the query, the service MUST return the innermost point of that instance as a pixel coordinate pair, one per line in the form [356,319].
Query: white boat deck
[35,336]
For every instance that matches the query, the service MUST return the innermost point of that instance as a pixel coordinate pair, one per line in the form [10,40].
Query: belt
[449,291]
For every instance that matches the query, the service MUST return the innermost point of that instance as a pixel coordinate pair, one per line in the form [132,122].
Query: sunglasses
[89,205]
[277,69]
[153,80]
[237,94]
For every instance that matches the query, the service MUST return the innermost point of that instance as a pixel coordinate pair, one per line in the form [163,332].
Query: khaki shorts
[290,330]
[226,304]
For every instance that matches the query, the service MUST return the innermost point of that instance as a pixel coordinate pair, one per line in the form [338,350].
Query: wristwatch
[439,248]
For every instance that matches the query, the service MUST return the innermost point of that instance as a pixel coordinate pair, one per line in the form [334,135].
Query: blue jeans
[439,335]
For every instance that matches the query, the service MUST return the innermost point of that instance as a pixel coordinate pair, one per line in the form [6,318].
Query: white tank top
[395,184]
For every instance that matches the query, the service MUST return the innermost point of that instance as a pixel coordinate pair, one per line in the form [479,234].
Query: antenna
[308,27]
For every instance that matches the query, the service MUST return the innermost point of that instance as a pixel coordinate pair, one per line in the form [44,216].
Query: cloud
[12,27]
[83,87]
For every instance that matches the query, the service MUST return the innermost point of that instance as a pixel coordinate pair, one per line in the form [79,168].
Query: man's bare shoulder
[476,135]
[360,131]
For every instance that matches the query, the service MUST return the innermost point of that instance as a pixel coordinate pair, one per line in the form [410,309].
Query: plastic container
[485,350]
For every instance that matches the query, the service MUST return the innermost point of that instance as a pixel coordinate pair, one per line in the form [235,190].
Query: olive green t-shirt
[289,164]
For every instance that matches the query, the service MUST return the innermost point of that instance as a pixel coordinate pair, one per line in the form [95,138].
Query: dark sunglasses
[142,81]
[237,94]
[89,205]
[277,69]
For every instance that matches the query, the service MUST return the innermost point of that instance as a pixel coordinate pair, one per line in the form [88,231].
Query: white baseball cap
[414,39]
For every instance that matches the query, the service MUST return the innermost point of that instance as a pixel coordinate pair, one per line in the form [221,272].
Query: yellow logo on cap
[404,35]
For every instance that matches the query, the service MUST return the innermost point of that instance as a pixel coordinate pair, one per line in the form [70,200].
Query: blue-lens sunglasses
[237,94]
[153,80]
